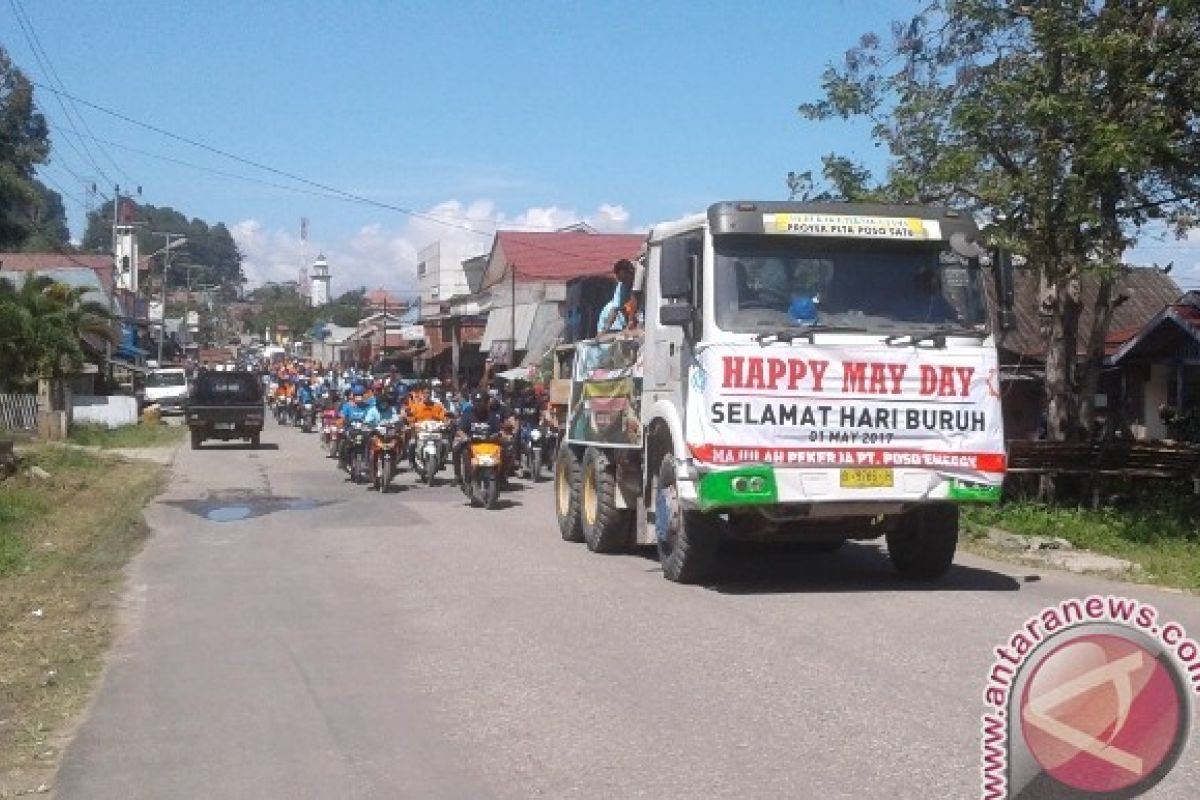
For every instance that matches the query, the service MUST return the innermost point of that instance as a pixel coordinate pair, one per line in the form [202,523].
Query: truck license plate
[224,426]
[866,478]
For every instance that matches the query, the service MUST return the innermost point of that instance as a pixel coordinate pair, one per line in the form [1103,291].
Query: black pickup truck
[225,405]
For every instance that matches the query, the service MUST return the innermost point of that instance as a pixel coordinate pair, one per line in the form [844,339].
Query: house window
[421,269]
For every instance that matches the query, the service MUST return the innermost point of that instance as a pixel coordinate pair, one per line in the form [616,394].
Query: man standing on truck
[621,311]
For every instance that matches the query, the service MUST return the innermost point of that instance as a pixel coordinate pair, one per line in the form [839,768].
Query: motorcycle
[383,452]
[484,462]
[296,412]
[354,452]
[428,453]
[536,450]
[279,407]
[331,429]
[308,417]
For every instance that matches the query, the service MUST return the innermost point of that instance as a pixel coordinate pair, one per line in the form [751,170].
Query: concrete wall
[112,411]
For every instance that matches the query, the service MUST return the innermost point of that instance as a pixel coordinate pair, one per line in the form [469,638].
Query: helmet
[356,389]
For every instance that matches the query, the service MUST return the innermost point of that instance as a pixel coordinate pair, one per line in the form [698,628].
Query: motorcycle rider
[482,413]
[527,410]
[353,410]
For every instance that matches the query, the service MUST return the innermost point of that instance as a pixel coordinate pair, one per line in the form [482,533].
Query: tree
[1070,125]
[48,223]
[24,143]
[211,249]
[47,330]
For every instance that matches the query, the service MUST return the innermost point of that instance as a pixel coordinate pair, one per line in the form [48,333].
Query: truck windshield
[162,380]
[880,286]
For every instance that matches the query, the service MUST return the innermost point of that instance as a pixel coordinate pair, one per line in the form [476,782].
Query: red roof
[561,255]
[380,297]
[40,262]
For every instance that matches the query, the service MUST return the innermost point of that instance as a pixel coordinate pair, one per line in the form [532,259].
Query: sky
[446,120]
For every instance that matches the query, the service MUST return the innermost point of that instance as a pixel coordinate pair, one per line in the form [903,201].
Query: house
[1159,368]
[454,328]
[1143,293]
[94,273]
[329,342]
[386,334]
[525,281]
[380,299]
[441,274]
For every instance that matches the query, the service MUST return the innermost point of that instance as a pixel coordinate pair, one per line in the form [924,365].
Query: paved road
[341,644]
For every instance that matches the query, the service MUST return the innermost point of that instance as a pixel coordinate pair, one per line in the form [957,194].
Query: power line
[222,173]
[332,190]
[340,193]
[265,167]
[59,81]
[27,32]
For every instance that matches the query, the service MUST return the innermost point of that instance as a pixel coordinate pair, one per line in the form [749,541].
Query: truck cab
[804,371]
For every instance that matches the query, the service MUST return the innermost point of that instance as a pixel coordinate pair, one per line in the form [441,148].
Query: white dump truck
[814,372]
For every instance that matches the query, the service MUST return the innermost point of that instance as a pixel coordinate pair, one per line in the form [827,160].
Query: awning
[116,362]
[516,374]
[500,325]
[547,329]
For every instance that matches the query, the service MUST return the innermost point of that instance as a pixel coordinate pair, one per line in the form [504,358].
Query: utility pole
[180,240]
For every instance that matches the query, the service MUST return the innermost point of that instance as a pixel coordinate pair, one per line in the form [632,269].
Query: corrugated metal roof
[559,255]
[1149,290]
[1173,333]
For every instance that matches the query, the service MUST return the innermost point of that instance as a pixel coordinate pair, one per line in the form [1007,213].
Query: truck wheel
[922,546]
[606,528]
[566,495]
[254,440]
[197,439]
[687,540]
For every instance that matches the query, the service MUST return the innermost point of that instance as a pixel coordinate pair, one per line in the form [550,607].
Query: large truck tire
[566,494]
[197,439]
[922,545]
[606,528]
[687,540]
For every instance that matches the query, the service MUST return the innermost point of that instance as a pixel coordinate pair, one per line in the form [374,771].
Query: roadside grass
[138,435]
[1160,532]
[63,544]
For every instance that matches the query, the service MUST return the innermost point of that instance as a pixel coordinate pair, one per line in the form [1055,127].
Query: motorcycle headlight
[535,434]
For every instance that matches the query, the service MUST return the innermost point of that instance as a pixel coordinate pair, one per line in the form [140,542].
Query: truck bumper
[765,485]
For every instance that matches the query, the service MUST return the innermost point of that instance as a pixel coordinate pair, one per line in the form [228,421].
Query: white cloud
[379,254]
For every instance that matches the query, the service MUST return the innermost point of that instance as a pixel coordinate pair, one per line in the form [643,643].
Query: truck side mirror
[675,277]
[1002,270]
[676,314]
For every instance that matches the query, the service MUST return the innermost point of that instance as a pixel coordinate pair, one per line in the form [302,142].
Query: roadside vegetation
[138,435]
[64,541]
[1159,531]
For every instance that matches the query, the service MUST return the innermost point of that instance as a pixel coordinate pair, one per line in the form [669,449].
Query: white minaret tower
[319,278]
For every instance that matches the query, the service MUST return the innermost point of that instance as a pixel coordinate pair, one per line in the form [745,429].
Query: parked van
[168,388]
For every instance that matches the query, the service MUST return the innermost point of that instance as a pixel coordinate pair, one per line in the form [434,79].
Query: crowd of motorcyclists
[376,426]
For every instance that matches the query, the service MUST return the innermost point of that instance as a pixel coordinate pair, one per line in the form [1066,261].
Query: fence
[18,412]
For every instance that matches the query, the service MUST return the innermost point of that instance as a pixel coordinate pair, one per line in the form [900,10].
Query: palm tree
[47,330]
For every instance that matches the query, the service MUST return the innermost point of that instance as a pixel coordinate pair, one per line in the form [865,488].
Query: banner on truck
[606,391]
[807,406]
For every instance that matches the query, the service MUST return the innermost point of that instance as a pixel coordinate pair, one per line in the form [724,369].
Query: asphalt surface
[342,644]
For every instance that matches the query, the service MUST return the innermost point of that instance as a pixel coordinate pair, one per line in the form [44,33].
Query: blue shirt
[353,412]
[620,297]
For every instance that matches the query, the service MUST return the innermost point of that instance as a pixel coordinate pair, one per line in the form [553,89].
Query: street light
[173,240]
